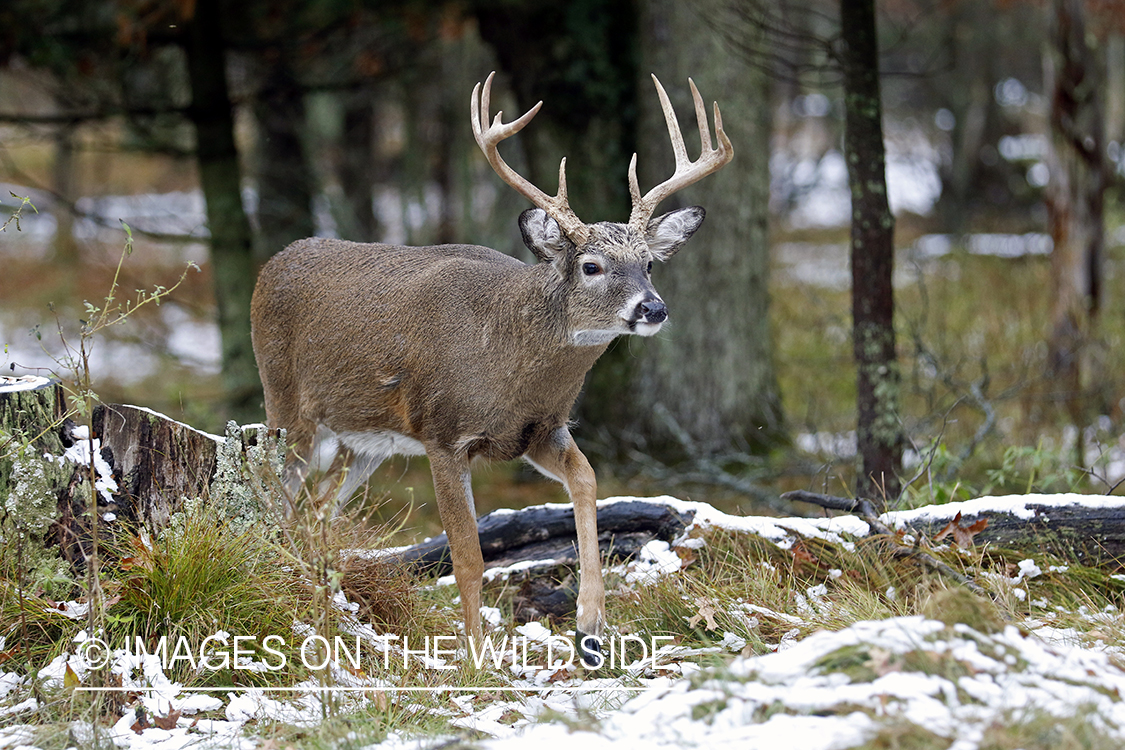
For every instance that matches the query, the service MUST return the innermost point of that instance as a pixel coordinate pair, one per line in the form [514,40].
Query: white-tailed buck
[460,352]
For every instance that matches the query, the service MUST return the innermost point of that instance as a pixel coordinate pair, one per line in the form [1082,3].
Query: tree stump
[156,462]
[31,410]
[132,466]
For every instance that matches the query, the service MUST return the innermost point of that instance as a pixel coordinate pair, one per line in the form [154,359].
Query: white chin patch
[593,338]
[648,329]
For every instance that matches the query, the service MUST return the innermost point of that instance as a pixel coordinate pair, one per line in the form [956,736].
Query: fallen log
[1086,528]
[546,532]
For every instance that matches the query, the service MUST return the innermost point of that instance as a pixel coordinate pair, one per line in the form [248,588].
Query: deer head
[608,260]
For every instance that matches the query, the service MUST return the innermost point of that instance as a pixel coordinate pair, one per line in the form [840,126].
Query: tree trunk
[356,217]
[579,59]
[285,181]
[1072,73]
[879,432]
[971,47]
[232,260]
[64,249]
[711,370]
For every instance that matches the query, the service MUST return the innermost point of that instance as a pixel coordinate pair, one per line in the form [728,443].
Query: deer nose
[652,311]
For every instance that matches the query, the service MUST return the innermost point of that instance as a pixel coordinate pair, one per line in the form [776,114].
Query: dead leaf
[802,555]
[167,722]
[962,535]
[559,675]
[706,612]
[686,555]
[70,679]
[142,720]
[379,699]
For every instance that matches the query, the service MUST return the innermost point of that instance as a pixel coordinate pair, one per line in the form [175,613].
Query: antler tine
[687,172]
[701,118]
[557,207]
[673,125]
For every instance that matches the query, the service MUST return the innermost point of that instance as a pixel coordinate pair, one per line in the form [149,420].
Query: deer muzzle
[652,310]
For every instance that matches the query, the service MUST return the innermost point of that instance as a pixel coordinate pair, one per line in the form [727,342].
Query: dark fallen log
[546,532]
[1086,528]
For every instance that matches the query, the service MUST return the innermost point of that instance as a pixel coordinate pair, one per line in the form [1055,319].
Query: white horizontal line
[377,688]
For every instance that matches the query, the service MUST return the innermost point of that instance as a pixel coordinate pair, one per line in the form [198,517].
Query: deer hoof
[590,650]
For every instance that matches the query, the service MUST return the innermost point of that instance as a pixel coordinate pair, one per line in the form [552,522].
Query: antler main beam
[687,172]
[557,206]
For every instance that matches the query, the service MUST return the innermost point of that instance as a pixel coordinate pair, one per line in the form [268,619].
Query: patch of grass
[33,630]
[207,578]
[1036,729]
[959,605]
[903,735]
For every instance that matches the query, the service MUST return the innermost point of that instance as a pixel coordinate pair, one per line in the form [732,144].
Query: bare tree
[232,260]
[710,378]
[1075,193]
[879,431]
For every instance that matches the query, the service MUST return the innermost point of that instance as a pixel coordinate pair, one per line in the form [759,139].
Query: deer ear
[543,236]
[665,234]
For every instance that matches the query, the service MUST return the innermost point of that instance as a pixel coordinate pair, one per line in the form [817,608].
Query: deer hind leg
[560,459]
[350,469]
[454,493]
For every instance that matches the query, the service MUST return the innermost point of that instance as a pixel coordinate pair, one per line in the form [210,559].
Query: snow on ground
[829,691]
[838,690]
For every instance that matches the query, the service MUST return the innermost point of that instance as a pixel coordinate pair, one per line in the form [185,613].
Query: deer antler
[557,207]
[710,159]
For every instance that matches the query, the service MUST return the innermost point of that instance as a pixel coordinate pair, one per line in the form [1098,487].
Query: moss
[29,509]
[853,661]
[246,479]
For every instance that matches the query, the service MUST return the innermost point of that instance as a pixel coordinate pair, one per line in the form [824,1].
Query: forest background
[220,132]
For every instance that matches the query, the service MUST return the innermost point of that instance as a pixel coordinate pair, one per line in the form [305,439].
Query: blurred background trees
[223,131]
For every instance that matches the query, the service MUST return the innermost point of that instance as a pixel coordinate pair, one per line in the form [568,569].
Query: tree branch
[866,510]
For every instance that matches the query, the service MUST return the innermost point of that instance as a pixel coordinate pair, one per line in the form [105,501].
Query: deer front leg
[561,460]
[453,488]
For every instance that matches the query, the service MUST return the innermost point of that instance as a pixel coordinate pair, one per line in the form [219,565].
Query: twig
[865,509]
[703,467]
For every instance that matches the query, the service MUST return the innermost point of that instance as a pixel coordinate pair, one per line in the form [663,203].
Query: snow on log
[1089,528]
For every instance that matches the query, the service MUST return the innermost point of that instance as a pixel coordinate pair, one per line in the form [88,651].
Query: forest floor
[744,632]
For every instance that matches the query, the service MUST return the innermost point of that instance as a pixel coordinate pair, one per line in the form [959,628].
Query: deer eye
[591,269]
[649,267]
